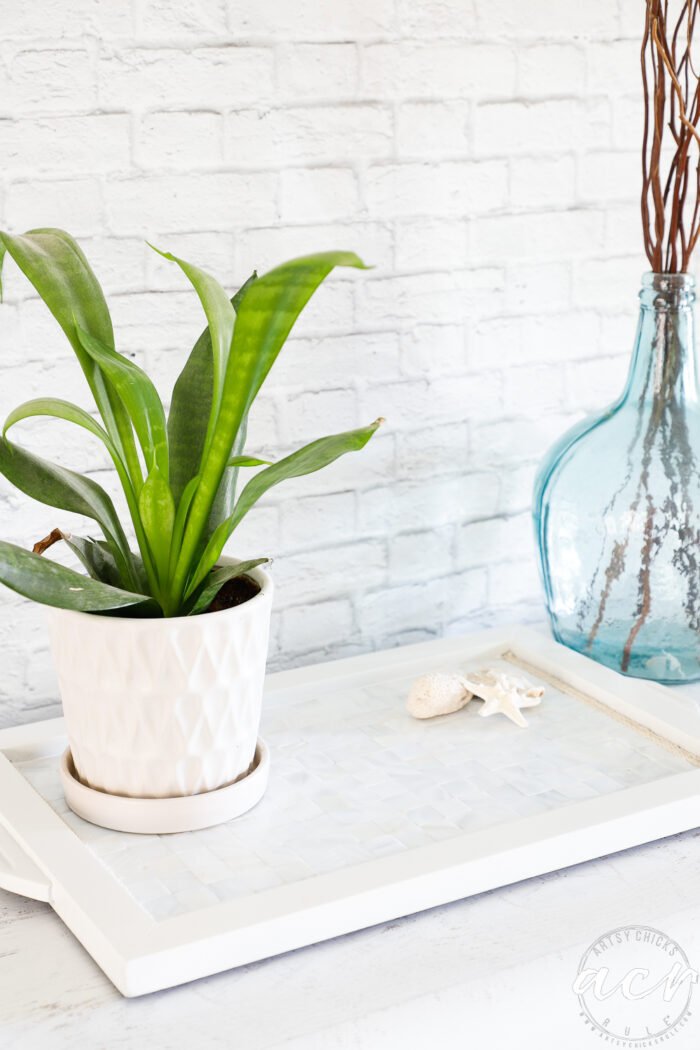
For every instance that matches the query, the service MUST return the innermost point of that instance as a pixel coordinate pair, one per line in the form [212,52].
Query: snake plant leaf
[226,493]
[248,461]
[209,557]
[264,319]
[139,574]
[157,510]
[225,498]
[188,419]
[139,396]
[96,557]
[220,316]
[189,412]
[180,520]
[306,460]
[218,578]
[42,580]
[131,566]
[59,409]
[268,312]
[59,487]
[54,263]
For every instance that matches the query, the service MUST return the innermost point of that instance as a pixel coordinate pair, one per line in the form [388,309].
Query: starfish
[504,694]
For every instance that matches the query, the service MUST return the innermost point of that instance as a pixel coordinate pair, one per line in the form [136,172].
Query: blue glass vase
[617,506]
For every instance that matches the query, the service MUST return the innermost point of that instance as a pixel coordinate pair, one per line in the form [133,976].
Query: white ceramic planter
[163,708]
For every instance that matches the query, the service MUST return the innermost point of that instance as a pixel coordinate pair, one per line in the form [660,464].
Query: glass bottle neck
[664,365]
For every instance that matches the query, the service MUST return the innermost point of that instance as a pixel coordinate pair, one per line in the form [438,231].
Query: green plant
[179,474]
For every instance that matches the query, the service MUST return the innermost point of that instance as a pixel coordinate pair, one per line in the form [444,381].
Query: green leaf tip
[166,255]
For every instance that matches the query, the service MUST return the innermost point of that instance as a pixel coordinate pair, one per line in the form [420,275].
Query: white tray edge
[140,955]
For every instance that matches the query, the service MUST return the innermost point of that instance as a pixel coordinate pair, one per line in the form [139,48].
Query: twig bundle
[671,169]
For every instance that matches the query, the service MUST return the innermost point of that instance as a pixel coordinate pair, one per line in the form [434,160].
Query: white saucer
[159,816]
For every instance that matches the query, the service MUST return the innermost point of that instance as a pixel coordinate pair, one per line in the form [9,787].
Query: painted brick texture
[481,154]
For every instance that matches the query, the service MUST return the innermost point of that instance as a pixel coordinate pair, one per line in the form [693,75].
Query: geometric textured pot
[165,707]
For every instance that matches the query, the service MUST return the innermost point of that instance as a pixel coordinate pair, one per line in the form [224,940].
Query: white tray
[369,814]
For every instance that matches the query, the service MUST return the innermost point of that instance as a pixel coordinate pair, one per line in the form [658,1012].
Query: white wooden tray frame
[41,857]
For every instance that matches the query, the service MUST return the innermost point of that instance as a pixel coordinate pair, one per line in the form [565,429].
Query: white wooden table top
[494,970]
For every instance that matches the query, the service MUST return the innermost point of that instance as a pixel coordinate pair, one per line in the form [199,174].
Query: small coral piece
[437,694]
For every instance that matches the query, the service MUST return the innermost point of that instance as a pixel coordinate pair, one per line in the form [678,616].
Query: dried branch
[48,541]
[670,168]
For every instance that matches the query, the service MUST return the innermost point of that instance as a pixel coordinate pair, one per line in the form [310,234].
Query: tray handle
[19,873]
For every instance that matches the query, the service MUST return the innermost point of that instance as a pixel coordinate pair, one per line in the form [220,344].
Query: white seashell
[437,694]
[504,694]
[664,665]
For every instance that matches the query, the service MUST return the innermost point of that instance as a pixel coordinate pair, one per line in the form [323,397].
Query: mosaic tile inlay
[354,778]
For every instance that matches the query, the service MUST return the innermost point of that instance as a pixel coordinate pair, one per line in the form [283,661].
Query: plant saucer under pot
[163,714]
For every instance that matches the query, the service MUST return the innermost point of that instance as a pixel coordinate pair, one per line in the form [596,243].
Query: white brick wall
[482,154]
